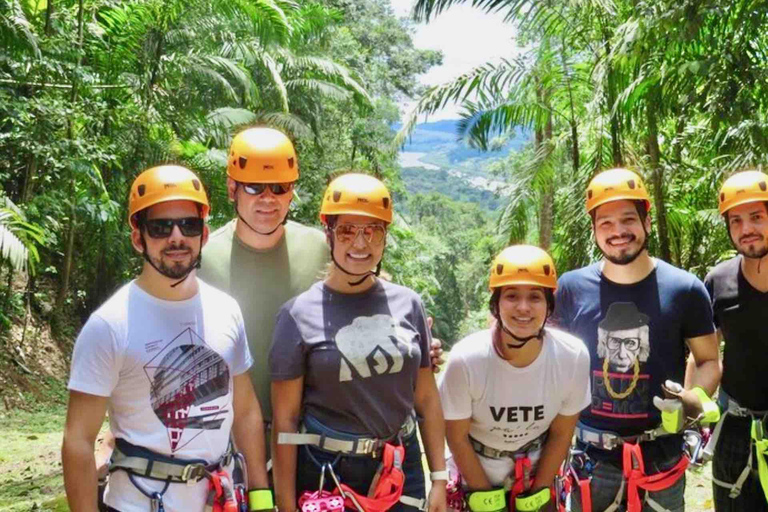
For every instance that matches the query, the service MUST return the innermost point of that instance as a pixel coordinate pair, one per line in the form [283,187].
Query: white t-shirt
[167,368]
[508,406]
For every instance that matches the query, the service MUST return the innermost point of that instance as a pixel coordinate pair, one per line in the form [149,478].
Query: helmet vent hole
[762,186]
[142,190]
[336,196]
[386,202]
[499,268]
[242,162]
[546,270]
[589,193]
[631,184]
[290,163]
[196,184]
[722,197]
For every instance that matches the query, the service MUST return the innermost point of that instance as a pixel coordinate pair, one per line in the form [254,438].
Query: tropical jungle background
[94,91]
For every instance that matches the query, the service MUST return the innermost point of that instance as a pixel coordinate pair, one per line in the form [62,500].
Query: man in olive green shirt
[262,280]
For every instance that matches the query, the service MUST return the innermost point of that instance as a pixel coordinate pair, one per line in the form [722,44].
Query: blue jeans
[356,471]
[606,480]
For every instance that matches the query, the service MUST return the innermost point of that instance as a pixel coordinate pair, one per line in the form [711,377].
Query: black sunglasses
[256,189]
[162,228]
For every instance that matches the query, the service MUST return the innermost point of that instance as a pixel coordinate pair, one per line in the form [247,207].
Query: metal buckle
[609,440]
[367,447]
[193,473]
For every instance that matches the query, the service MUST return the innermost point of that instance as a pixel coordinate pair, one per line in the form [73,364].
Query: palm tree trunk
[48,18]
[70,243]
[618,159]
[657,173]
[547,200]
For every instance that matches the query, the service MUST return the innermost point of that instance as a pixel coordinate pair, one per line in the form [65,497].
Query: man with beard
[632,296]
[168,357]
[738,289]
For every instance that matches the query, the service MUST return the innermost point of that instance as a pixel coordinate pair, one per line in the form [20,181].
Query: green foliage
[674,90]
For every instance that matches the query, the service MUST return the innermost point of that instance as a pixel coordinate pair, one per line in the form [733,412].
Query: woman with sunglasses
[512,394]
[350,365]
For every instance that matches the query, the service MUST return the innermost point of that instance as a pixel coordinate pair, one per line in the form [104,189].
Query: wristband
[488,501]
[439,475]
[532,502]
[260,499]
[709,408]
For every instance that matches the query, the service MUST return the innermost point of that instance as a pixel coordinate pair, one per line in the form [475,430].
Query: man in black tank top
[739,291]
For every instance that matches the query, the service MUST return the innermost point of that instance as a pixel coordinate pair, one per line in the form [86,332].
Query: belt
[359,446]
[494,453]
[608,440]
[143,462]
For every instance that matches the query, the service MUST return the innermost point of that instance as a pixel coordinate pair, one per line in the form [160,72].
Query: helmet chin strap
[525,340]
[364,274]
[237,210]
[191,268]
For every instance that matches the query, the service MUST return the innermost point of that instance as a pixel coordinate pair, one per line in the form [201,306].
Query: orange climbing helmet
[741,188]
[357,194]
[523,264]
[616,185]
[165,183]
[262,155]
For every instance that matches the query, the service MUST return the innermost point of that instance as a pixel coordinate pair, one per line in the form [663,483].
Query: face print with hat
[622,337]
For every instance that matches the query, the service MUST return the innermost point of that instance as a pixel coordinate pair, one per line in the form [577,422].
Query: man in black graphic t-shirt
[739,291]
[636,314]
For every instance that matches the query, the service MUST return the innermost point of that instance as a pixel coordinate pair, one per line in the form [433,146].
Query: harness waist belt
[494,453]
[360,446]
[149,464]
[735,409]
[607,440]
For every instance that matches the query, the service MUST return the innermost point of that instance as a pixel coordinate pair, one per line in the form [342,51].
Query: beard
[175,269]
[625,258]
[752,250]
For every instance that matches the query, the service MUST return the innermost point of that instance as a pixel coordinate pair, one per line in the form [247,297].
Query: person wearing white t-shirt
[168,358]
[512,394]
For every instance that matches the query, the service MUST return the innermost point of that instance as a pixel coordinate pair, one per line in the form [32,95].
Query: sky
[468,38]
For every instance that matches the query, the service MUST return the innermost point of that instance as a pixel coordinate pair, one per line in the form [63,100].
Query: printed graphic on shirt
[369,345]
[619,390]
[514,423]
[189,388]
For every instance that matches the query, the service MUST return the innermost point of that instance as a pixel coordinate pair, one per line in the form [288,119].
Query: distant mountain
[442,137]
[435,160]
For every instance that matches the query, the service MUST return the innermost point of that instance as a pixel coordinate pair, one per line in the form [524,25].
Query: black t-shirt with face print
[741,312]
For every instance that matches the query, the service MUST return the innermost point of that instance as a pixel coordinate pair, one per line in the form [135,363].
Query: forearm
[249,437]
[552,455]
[284,466]
[469,464]
[80,480]
[705,375]
[432,430]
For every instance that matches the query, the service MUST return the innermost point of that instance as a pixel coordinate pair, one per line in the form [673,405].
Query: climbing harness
[226,494]
[633,466]
[386,489]
[517,484]
[757,440]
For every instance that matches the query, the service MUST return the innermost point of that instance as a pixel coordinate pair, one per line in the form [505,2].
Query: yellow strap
[710,410]
[673,421]
[533,502]
[761,449]
[487,501]
[260,499]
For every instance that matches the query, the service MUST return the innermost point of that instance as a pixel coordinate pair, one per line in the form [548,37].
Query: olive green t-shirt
[261,281]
